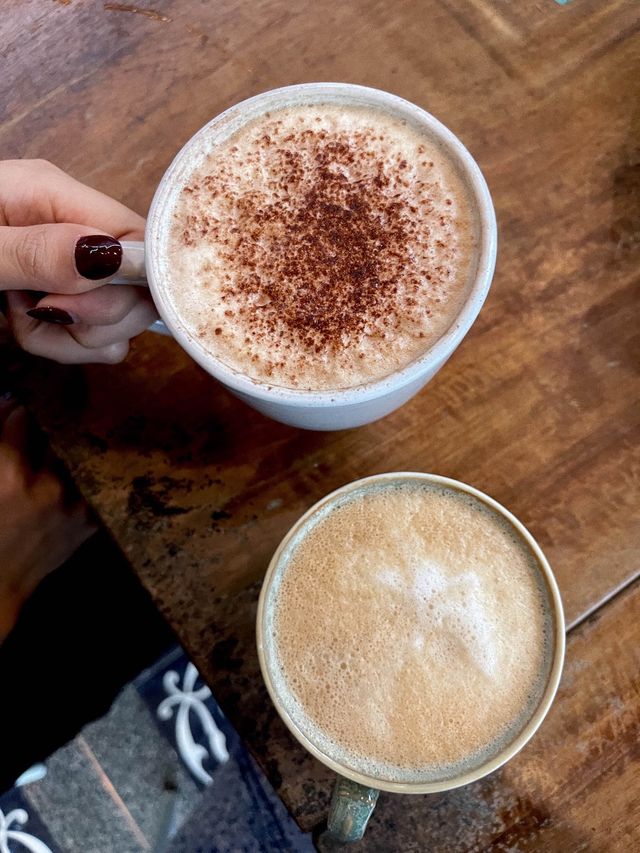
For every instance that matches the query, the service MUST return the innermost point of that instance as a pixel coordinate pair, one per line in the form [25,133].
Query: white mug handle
[133,271]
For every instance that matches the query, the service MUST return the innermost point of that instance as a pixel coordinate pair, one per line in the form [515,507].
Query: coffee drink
[409,631]
[321,246]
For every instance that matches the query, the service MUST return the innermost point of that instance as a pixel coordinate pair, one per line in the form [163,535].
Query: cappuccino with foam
[409,631]
[321,246]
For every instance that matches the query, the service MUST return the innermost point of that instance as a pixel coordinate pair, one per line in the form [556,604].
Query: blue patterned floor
[163,771]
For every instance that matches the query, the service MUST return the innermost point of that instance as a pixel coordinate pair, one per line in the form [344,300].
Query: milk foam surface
[321,247]
[410,635]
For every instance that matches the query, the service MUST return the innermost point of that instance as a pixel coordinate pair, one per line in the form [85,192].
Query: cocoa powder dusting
[330,268]
[324,247]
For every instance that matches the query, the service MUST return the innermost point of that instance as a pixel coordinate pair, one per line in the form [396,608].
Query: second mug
[411,636]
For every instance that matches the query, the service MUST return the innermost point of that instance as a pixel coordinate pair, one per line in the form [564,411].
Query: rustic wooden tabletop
[539,407]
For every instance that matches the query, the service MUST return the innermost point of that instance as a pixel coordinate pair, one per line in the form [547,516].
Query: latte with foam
[321,247]
[409,631]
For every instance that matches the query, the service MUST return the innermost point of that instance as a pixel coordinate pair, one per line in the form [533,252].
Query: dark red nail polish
[51,315]
[98,256]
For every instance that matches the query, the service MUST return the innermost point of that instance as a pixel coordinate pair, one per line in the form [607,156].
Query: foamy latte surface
[409,634]
[321,247]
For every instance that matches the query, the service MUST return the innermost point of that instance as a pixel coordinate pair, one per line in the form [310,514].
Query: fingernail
[51,315]
[98,256]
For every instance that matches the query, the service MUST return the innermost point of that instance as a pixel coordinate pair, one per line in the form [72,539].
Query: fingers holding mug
[120,312]
[59,258]
[76,325]
[53,340]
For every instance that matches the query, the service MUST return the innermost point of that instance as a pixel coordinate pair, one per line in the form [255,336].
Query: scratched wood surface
[539,407]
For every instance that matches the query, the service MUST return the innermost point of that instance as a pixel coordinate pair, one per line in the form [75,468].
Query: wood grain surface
[539,407]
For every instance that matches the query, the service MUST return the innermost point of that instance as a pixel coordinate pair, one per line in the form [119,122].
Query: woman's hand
[42,522]
[61,237]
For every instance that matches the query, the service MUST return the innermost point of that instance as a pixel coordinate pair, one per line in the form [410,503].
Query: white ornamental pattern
[188,699]
[18,817]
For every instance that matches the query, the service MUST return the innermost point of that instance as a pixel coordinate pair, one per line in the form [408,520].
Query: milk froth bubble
[321,246]
[409,634]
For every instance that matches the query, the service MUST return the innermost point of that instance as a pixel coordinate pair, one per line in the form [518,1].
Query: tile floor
[163,771]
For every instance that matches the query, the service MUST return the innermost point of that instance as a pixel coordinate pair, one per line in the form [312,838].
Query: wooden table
[539,407]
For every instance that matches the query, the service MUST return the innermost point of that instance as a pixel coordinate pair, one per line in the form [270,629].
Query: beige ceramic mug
[355,793]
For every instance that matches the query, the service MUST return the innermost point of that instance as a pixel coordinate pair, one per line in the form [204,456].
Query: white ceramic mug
[355,793]
[319,410]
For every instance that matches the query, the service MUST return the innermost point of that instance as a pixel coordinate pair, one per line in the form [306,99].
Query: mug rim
[435,355]
[536,719]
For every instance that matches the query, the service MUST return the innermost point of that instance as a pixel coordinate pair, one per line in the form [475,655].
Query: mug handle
[133,271]
[351,807]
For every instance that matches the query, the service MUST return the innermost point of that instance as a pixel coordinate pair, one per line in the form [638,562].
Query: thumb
[60,258]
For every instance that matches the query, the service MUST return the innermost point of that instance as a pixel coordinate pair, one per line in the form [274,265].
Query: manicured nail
[51,315]
[98,256]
